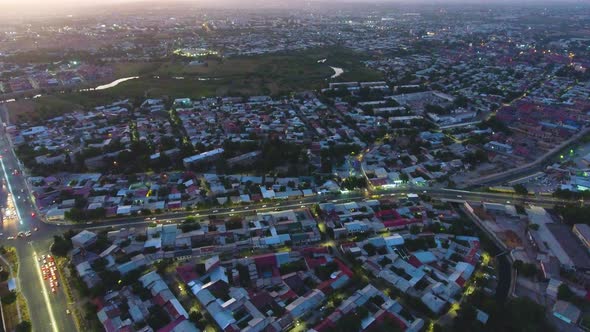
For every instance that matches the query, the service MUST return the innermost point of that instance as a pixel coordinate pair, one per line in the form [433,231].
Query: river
[114,83]
[337,72]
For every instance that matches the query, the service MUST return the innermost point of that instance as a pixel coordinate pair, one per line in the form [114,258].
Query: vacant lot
[39,109]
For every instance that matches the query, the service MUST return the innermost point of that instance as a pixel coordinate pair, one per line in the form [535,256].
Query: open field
[10,315]
[269,74]
[126,69]
[39,109]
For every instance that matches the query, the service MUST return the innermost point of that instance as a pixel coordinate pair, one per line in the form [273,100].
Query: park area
[274,74]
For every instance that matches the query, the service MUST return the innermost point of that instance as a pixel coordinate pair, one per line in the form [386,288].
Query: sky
[22,8]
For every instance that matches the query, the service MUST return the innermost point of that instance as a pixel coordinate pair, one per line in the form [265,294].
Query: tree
[466,319]
[370,249]
[23,326]
[61,246]
[565,293]
[528,270]
[158,317]
[414,229]
[520,189]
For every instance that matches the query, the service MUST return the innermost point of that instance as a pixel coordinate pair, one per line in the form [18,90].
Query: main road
[47,310]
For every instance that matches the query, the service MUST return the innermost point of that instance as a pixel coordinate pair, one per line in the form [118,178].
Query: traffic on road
[49,271]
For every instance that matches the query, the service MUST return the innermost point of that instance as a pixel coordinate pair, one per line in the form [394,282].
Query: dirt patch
[511,239]
[483,215]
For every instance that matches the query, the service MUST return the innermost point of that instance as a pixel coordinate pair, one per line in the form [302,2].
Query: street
[47,310]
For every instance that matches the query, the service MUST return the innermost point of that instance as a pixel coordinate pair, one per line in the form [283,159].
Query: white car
[10,238]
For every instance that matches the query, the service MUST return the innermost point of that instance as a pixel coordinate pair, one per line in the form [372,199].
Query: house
[202,157]
[169,235]
[180,324]
[83,239]
[433,302]
[566,311]
[304,304]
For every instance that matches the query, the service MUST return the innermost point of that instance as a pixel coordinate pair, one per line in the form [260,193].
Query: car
[68,311]
[10,238]
[28,233]
[215,211]
[264,206]
[459,196]
[53,290]
[33,214]
[35,229]
[232,210]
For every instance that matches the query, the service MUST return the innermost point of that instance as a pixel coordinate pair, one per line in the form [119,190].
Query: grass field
[269,74]
[126,69]
[10,315]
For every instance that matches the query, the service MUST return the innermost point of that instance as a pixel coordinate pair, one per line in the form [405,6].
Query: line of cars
[49,271]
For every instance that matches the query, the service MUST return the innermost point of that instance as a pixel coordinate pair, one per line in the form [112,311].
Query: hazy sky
[22,9]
